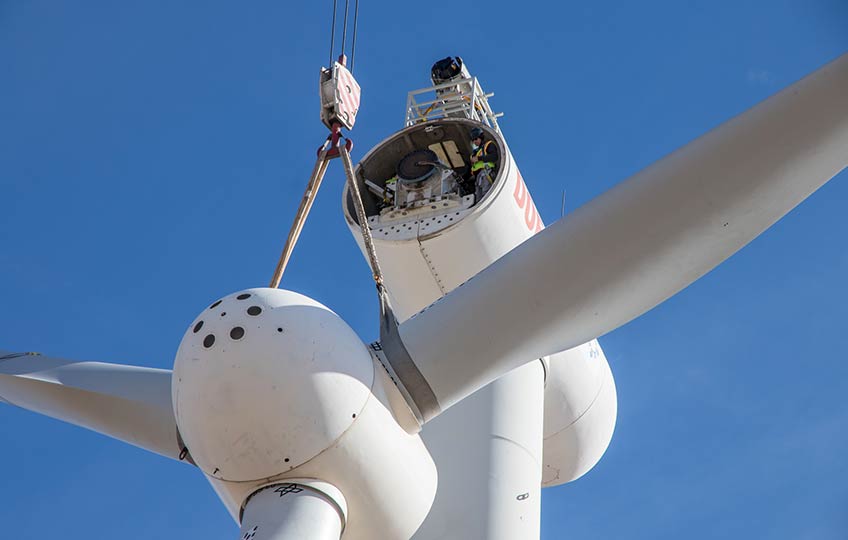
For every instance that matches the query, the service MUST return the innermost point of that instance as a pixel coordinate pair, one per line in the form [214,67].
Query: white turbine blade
[129,403]
[634,246]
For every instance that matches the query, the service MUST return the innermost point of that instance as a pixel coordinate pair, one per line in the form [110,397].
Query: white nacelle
[430,251]
[269,385]
[580,411]
[426,255]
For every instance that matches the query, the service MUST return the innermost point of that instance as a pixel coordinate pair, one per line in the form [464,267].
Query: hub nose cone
[264,380]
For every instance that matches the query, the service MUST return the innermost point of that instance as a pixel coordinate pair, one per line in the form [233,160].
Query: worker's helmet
[476,133]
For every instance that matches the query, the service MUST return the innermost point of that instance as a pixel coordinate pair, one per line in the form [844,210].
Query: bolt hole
[354,415]
[286,460]
[280,330]
[244,296]
[197,327]
[237,333]
[223,313]
[215,304]
[254,310]
[208,341]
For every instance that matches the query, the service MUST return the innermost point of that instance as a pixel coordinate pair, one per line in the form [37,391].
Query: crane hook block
[339,96]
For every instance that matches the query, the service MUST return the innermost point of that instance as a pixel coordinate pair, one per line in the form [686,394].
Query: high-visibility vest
[477,165]
[390,189]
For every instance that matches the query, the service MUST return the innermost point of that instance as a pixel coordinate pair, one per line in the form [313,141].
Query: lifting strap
[332,149]
[301,215]
[325,154]
[363,219]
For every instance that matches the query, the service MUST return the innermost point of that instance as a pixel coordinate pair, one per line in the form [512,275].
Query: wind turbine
[797,148]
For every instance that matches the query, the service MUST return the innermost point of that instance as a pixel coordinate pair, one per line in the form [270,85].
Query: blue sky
[152,157]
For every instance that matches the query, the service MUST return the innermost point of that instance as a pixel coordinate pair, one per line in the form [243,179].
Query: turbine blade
[132,404]
[634,246]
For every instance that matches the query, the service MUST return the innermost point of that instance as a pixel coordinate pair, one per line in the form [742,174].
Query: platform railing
[462,98]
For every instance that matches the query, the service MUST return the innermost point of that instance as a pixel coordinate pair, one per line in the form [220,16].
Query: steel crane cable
[353,46]
[333,32]
[344,27]
[344,30]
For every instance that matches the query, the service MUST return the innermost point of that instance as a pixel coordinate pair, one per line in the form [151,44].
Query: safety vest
[390,189]
[477,165]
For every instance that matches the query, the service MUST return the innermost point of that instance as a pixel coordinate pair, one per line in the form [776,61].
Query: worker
[484,159]
[389,192]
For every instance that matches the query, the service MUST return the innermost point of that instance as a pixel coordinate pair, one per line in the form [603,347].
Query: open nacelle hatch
[418,181]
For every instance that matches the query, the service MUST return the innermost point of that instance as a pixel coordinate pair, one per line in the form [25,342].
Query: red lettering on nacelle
[525,202]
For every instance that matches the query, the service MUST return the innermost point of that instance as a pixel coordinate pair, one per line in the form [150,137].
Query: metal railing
[459,98]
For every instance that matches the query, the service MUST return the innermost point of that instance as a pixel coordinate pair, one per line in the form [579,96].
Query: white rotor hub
[265,380]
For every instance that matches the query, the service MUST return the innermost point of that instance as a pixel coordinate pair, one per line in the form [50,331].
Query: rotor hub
[265,380]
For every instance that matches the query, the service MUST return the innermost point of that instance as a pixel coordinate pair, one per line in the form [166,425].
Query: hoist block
[340,94]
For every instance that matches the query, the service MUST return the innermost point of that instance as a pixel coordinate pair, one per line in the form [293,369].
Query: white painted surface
[420,269]
[580,413]
[408,224]
[299,510]
[488,448]
[283,392]
[639,243]
[387,476]
[315,397]
[132,404]
[489,453]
